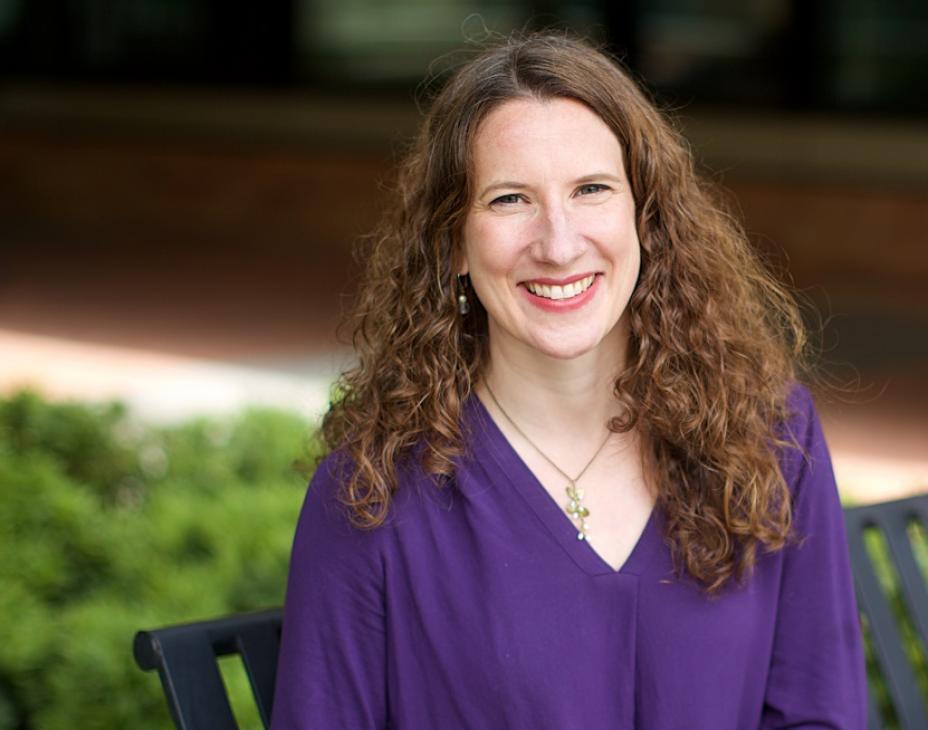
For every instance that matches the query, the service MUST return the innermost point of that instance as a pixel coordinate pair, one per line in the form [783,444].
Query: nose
[557,241]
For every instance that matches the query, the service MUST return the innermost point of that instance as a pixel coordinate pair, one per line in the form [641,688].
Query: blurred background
[181,182]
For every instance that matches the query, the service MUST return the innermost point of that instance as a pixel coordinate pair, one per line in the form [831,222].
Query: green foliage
[109,526]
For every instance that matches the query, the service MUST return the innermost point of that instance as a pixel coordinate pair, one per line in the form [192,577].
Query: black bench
[186,655]
[898,618]
[186,659]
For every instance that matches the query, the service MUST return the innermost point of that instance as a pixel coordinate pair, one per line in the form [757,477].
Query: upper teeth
[560,292]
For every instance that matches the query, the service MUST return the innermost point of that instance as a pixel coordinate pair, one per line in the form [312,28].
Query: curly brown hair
[715,340]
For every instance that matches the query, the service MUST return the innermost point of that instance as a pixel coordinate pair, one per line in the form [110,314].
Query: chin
[562,350]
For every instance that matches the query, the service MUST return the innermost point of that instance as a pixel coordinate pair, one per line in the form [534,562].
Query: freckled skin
[552,200]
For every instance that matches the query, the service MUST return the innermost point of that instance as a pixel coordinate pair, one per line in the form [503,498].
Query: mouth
[558,292]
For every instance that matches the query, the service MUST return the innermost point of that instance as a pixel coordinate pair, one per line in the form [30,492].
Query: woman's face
[550,240]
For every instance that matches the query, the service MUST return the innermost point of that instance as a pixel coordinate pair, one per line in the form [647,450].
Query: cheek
[618,243]
[489,248]
[614,222]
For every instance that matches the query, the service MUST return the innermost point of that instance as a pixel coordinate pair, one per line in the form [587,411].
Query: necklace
[574,507]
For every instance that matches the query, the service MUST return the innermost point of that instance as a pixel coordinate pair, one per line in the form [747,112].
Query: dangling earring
[463,304]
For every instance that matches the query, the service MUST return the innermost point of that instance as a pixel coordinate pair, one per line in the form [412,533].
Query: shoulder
[322,504]
[806,466]
[325,531]
[801,415]
[327,521]
[804,449]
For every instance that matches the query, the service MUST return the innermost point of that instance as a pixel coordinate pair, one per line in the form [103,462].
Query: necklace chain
[574,507]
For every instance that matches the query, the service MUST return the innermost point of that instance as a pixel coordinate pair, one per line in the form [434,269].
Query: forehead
[528,134]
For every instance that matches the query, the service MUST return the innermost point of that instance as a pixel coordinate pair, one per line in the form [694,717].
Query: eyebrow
[503,184]
[514,185]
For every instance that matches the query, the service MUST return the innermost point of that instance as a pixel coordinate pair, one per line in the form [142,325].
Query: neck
[549,395]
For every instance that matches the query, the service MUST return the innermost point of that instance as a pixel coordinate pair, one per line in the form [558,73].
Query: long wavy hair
[714,338]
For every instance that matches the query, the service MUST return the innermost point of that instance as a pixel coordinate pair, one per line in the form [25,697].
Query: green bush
[109,526]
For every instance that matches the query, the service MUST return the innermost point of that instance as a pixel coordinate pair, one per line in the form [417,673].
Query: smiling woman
[573,482]
[553,255]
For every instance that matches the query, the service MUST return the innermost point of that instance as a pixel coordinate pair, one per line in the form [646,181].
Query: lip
[562,305]
[560,282]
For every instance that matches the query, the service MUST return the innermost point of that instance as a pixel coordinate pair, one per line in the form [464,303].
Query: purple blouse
[475,606]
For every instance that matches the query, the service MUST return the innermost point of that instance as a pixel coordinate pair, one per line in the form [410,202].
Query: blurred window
[847,55]
[833,55]
[878,55]
[715,50]
[398,42]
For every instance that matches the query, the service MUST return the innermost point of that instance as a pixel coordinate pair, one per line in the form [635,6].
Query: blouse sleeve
[331,672]
[817,677]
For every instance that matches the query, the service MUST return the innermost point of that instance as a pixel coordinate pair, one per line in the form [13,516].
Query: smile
[568,291]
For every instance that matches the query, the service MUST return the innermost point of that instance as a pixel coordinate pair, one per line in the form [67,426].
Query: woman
[572,483]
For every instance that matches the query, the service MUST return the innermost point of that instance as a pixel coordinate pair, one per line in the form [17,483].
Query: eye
[508,199]
[591,188]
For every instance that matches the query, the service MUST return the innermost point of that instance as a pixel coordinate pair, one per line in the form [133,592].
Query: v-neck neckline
[512,472]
